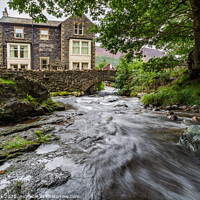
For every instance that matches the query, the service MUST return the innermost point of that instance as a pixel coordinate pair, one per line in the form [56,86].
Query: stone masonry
[68,80]
[67,33]
[55,48]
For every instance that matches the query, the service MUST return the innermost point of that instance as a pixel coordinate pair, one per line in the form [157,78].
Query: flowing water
[112,149]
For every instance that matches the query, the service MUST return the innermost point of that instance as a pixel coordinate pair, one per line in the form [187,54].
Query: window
[44,62]
[19,51]
[76,47]
[84,65]
[75,66]
[84,48]
[14,51]
[19,32]
[78,28]
[14,66]
[23,51]
[24,66]
[80,48]
[44,34]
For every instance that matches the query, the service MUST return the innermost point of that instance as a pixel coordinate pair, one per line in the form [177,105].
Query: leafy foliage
[139,76]
[6,81]
[100,86]
[184,94]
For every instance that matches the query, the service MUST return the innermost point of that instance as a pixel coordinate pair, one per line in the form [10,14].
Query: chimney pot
[5,13]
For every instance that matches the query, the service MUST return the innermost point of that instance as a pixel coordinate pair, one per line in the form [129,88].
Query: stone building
[53,45]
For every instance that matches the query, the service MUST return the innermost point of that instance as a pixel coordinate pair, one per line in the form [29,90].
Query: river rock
[169,108]
[172,117]
[190,139]
[175,107]
[140,95]
[196,119]
[182,107]
[121,105]
[195,107]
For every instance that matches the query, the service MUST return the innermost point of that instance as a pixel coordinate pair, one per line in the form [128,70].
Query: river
[110,148]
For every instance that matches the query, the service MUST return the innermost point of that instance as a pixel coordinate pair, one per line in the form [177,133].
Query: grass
[66,93]
[41,136]
[6,81]
[16,143]
[182,92]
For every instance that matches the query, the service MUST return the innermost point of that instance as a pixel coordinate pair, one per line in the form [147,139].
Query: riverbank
[109,146]
[158,83]
[21,98]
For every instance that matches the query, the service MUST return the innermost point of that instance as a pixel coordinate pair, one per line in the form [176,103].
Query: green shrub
[185,94]
[6,81]
[100,86]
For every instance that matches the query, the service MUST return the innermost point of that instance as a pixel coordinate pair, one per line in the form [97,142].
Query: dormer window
[44,34]
[78,28]
[19,32]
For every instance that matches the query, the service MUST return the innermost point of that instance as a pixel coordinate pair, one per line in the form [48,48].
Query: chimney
[5,13]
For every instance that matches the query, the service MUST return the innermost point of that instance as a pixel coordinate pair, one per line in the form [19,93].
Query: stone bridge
[66,80]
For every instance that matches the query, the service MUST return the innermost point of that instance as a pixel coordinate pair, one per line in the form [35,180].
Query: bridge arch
[96,80]
[68,80]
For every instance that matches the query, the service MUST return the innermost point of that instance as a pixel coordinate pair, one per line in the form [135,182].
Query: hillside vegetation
[165,81]
[107,59]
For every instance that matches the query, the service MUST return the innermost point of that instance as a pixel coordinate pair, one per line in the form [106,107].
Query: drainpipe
[2,45]
[32,48]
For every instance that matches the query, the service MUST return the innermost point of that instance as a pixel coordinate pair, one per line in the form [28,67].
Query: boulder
[21,97]
[190,139]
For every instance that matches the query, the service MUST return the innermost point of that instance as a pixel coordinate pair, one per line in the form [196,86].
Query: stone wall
[66,80]
[41,48]
[1,47]
[67,33]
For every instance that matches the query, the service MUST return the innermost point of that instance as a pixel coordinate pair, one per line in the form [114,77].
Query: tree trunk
[196,54]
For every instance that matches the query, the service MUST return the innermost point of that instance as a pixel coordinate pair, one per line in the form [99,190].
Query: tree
[128,25]
[102,64]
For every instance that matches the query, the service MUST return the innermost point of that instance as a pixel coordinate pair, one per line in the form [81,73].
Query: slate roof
[15,20]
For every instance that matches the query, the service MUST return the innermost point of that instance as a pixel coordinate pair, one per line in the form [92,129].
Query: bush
[187,93]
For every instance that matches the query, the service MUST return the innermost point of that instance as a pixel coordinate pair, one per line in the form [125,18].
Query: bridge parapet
[68,80]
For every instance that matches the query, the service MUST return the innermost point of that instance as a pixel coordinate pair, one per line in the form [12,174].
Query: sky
[11,13]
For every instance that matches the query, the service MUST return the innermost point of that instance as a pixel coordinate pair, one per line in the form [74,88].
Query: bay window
[80,48]
[23,51]
[76,47]
[18,50]
[19,56]
[75,66]
[84,48]
[14,51]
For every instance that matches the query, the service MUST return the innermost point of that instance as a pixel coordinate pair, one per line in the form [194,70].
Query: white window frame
[15,36]
[18,48]
[17,60]
[80,47]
